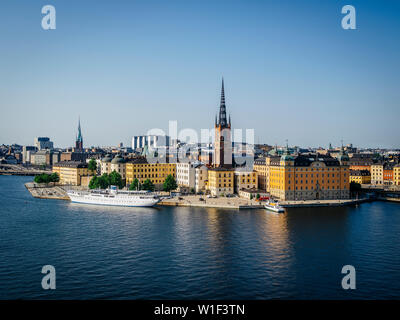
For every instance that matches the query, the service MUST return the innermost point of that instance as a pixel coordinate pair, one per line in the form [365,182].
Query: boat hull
[276,209]
[109,201]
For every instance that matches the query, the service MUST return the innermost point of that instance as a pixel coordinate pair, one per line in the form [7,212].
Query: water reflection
[194,253]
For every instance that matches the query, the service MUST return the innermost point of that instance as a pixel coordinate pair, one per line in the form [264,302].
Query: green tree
[258,196]
[94,183]
[92,166]
[47,178]
[251,196]
[54,177]
[169,184]
[115,179]
[104,181]
[39,179]
[134,185]
[148,185]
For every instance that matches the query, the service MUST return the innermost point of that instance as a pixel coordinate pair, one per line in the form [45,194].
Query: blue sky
[291,72]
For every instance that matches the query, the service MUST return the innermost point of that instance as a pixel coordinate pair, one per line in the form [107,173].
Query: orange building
[309,177]
[388,174]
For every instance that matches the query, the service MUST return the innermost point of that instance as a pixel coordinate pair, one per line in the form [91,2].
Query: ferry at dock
[274,206]
[115,197]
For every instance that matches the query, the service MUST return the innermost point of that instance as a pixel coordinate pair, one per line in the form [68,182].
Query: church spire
[222,108]
[79,138]
[79,130]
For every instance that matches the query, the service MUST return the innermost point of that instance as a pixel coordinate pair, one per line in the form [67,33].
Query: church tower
[79,138]
[222,143]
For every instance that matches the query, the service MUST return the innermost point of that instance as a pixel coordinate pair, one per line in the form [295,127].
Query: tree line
[47,178]
[115,179]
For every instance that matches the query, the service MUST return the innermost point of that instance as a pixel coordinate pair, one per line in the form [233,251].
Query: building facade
[396,175]
[377,174]
[140,169]
[42,143]
[360,163]
[27,151]
[382,174]
[220,181]
[118,164]
[245,180]
[73,156]
[185,176]
[41,157]
[262,168]
[201,177]
[307,177]
[360,176]
[105,165]
[71,172]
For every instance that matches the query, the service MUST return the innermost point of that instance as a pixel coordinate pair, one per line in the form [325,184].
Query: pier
[46,191]
[57,192]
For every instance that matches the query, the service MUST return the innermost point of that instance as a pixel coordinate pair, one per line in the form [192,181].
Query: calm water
[186,253]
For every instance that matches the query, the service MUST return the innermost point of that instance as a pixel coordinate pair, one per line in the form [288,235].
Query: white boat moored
[114,197]
[274,206]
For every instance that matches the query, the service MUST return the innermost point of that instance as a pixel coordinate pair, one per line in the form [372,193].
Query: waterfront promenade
[221,202]
[46,192]
[59,192]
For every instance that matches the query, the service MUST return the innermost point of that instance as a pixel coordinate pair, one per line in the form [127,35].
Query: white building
[43,143]
[40,157]
[118,164]
[185,175]
[27,151]
[201,176]
[105,166]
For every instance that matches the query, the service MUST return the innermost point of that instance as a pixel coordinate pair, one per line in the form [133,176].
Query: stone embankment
[43,191]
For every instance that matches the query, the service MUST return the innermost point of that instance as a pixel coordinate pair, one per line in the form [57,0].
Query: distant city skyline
[290,70]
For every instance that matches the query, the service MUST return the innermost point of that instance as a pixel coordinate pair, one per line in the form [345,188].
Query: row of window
[153,170]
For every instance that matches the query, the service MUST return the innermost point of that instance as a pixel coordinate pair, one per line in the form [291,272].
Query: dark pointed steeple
[223,122]
[79,138]
[79,131]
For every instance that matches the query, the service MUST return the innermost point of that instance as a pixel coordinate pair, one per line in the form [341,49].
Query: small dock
[322,203]
[46,192]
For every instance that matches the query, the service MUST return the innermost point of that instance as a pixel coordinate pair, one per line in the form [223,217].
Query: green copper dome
[118,159]
[107,158]
[286,157]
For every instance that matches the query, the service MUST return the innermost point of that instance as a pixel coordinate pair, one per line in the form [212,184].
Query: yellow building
[309,177]
[262,168]
[220,181]
[396,175]
[245,180]
[360,176]
[142,170]
[71,172]
[377,174]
